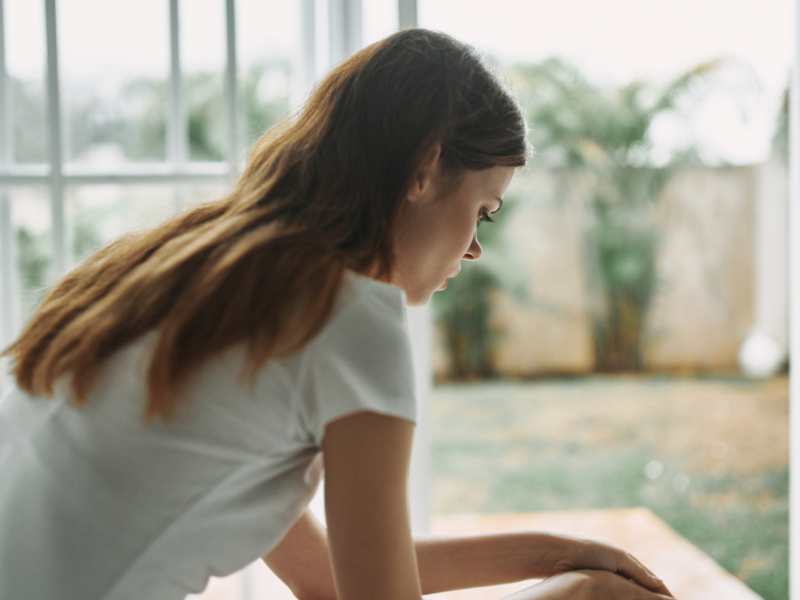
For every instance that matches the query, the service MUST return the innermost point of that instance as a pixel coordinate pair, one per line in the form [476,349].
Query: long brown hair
[263,266]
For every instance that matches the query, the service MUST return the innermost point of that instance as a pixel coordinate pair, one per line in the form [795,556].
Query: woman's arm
[369,534]
[448,563]
[302,560]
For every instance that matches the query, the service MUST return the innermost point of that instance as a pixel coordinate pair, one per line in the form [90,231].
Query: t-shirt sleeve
[362,361]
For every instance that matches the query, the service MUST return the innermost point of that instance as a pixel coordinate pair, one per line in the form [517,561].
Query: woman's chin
[419,298]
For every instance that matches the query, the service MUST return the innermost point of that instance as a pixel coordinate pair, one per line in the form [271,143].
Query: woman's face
[437,227]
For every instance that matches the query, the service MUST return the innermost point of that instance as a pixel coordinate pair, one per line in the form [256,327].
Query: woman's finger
[629,567]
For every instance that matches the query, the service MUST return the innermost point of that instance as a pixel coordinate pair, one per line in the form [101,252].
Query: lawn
[709,456]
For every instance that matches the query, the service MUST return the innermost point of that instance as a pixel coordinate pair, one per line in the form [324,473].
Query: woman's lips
[444,285]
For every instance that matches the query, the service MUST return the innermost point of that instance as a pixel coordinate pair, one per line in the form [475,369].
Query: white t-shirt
[95,503]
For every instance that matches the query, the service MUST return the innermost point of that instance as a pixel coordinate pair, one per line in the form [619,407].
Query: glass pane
[25,62]
[203,64]
[97,214]
[197,193]
[268,51]
[32,223]
[114,60]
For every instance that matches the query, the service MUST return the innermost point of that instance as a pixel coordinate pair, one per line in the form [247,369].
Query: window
[113,115]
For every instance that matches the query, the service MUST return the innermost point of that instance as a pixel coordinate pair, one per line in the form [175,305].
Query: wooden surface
[686,570]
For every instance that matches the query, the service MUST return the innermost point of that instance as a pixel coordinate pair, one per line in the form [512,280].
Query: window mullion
[794,310]
[55,138]
[8,302]
[5,129]
[420,332]
[231,95]
[344,25]
[8,320]
[176,142]
[8,323]
[407,13]
[308,47]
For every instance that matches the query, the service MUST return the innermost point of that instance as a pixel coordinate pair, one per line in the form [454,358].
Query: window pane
[32,224]
[268,36]
[97,214]
[114,60]
[196,193]
[25,62]
[203,64]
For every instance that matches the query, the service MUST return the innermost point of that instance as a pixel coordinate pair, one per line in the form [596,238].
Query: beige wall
[703,307]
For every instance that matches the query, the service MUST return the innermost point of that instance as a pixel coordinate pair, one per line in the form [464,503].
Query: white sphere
[760,356]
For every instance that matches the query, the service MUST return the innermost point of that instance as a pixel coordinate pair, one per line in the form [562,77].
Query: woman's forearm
[449,563]
[573,568]
[302,561]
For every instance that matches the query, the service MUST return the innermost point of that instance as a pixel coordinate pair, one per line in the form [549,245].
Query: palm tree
[599,142]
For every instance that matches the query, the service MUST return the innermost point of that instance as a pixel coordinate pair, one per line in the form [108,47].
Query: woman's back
[119,507]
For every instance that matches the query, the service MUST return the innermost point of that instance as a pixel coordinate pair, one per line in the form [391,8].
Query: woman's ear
[426,171]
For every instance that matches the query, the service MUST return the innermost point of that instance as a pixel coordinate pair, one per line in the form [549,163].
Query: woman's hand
[580,554]
[587,585]
[451,563]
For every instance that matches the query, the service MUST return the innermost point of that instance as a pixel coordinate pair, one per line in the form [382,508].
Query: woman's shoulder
[368,314]
[362,359]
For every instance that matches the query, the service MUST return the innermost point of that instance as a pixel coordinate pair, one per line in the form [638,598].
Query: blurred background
[623,341]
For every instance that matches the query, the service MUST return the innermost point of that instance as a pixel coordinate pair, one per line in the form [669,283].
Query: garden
[708,455]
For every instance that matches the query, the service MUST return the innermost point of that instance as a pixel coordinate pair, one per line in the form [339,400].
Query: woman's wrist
[572,554]
[547,554]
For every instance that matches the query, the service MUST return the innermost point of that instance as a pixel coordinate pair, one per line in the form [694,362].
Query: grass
[709,456]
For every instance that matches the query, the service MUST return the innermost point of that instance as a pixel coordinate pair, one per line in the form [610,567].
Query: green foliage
[136,119]
[264,99]
[780,140]
[141,125]
[85,233]
[465,315]
[205,127]
[599,140]
[33,262]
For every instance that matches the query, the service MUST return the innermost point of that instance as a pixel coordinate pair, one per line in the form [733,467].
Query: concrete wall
[705,302]
[704,307]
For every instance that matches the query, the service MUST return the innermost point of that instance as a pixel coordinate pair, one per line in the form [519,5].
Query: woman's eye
[485,218]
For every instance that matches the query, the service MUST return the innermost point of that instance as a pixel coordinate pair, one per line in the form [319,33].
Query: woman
[178,389]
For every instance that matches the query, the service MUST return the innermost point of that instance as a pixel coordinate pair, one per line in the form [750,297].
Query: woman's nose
[474,251]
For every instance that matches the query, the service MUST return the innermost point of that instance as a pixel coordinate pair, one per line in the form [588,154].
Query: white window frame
[794,317]
[344,37]
[56,175]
